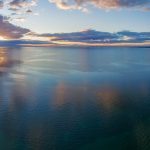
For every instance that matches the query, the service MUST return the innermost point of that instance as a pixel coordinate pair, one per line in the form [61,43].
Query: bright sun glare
[1,38]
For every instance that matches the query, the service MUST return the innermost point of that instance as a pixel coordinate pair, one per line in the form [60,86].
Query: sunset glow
[92,23]
[74,74]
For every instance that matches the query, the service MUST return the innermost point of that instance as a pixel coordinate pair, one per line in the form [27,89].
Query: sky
[95,22]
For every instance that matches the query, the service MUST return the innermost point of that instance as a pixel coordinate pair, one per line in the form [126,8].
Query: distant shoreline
[73,46]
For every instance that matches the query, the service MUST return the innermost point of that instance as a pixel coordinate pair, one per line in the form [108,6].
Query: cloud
[17,4]
[10,31]
[19,19]
[87,37]
[62,4]
[11,43]
[83,38]
[92,36]
[29,11]
[1,4]
[17,8]
[104,4]
[23,8]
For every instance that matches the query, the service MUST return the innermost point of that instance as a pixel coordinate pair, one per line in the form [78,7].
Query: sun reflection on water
[44,111]
[3,57]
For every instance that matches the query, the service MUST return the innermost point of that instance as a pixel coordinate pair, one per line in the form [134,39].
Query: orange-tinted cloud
[17,4]
[10,31]
[104,4]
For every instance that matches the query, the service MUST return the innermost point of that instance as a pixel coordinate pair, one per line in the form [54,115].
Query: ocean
[74,98]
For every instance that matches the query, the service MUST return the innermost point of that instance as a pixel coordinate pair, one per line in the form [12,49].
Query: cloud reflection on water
[77,108]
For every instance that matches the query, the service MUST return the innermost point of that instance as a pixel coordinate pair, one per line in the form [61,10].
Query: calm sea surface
[75,98]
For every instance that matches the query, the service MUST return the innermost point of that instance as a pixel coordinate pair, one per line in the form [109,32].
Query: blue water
[75,98]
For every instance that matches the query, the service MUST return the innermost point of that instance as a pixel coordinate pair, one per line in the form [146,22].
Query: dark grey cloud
[92,36]
[10,31]
[29,11]
[83,38]
[11,43]
[134,36]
